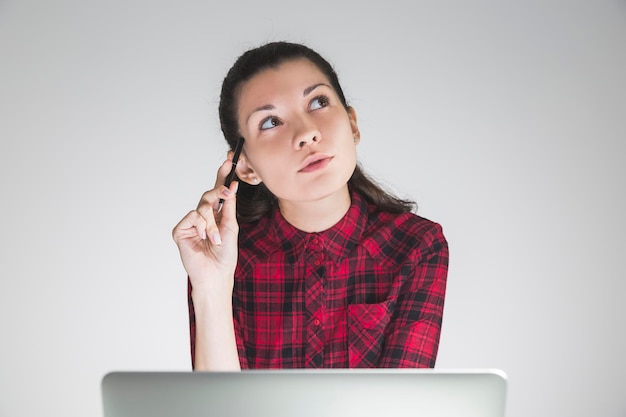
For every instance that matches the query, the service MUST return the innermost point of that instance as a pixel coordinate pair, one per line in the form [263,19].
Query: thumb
[223,172]
[228,222]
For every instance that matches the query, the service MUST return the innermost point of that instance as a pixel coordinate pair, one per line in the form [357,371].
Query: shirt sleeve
[237,323]
[192,325]
[413,334]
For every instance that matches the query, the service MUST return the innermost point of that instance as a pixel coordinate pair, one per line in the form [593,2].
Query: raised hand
[207,240]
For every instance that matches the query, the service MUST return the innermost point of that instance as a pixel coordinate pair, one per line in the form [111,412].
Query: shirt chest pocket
[366,333]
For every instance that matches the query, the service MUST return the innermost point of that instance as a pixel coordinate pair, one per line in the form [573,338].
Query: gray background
[504,120]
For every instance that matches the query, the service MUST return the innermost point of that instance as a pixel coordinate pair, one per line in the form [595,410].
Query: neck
[318,215]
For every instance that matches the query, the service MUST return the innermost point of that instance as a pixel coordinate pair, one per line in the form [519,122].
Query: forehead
[288,76]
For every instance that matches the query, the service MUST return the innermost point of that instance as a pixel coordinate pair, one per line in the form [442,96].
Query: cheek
[339,127]
[267,163]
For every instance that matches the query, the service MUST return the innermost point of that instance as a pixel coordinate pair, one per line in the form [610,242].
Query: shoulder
[250,230]
[256,240]
[400,237]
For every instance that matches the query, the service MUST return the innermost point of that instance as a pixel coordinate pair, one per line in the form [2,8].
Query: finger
[210,211]
[208,204]
[210,230]
[228,221]
[209,197]
[192,225]
[212,196]
[223,172]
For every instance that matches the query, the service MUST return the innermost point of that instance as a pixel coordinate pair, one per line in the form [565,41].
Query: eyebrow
[308,90]
[305,93]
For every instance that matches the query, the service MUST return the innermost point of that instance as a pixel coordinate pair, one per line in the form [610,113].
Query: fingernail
[226,191]
[215,238]
[203,235]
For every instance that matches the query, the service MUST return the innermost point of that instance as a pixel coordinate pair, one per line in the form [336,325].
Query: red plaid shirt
[368,292]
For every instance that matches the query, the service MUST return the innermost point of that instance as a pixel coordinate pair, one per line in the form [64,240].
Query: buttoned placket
[315,300]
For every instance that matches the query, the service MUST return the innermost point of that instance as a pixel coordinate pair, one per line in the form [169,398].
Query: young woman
[309,263]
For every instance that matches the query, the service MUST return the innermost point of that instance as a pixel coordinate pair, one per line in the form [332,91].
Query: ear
[244,171]
[353,124]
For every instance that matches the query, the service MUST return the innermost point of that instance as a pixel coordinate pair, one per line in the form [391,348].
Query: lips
[314,162]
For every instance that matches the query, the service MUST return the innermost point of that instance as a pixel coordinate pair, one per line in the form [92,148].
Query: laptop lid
[306,393]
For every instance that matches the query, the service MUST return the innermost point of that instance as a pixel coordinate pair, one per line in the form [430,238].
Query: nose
[306,135]
[306,139]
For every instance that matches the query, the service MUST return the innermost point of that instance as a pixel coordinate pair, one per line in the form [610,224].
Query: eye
[269,123]
[319,102]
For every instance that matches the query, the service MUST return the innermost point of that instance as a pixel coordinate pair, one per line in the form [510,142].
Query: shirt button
[317,262]
[316,322]
[316,241]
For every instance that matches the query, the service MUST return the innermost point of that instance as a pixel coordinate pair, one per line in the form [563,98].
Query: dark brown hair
[254,202]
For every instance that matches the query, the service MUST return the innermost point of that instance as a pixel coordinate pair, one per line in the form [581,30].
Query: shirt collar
[336,242]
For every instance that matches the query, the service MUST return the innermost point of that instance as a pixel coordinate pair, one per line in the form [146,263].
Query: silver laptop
[306,393]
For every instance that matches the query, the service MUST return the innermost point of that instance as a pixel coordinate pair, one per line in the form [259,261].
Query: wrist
[211,297]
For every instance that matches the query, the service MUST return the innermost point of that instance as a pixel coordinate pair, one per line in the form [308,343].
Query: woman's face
[300,139]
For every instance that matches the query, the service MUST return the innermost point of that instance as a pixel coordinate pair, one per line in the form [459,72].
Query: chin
[314,194]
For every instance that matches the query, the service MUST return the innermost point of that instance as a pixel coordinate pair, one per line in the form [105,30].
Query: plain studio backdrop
[505,120]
